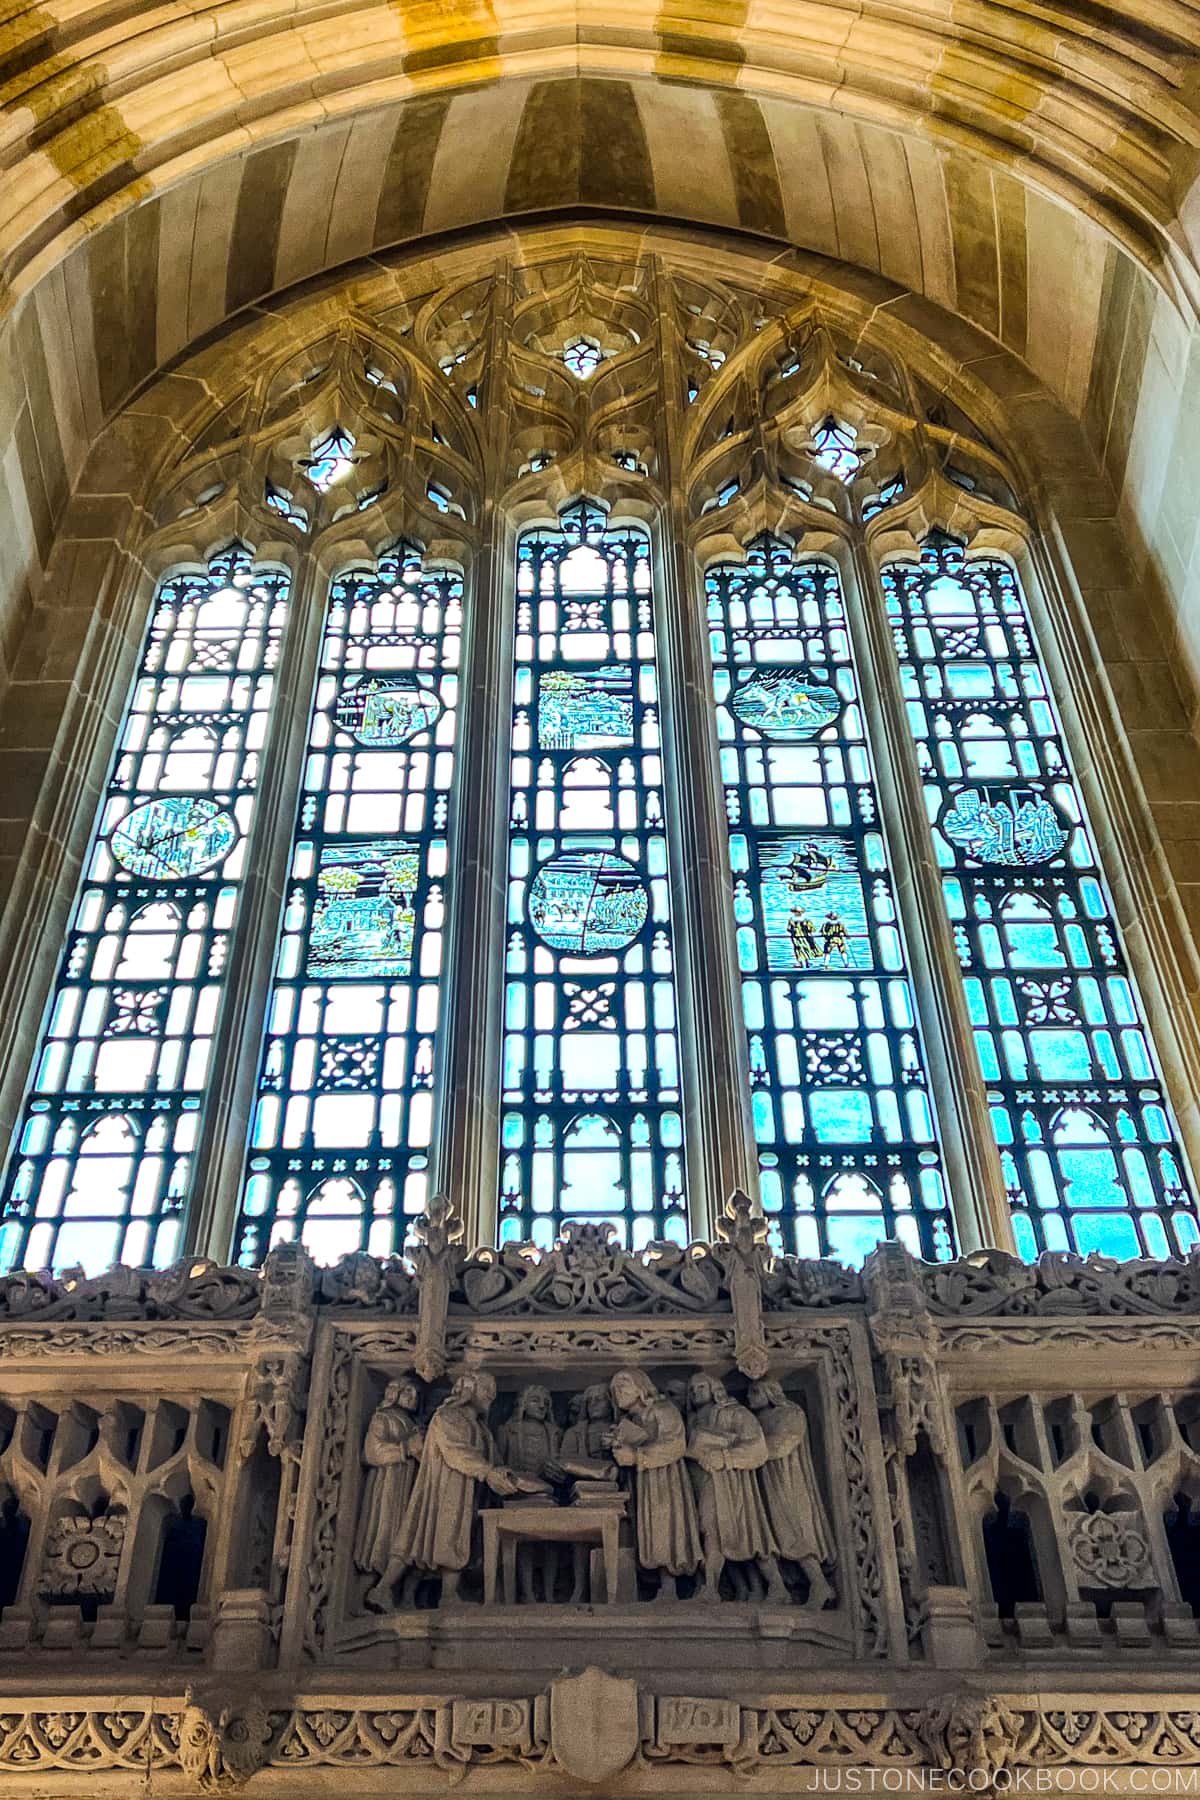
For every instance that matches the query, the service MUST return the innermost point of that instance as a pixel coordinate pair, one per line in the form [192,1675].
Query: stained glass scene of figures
[592,1125]
[1085,1137]
[102,1161]
[841,1106]
[339,1146]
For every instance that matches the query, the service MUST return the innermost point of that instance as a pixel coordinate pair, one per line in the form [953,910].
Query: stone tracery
[861,1431]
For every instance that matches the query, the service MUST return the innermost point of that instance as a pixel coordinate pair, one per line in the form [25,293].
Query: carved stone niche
[538,1493]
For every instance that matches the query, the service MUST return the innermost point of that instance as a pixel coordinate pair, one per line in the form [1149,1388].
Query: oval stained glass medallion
[588,901]
[375,710]
[173,838]
[784,703]
[1010,826]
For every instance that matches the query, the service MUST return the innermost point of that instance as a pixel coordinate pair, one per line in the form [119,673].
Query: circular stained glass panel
[173,838]
[381,710]
[1011,826]
[587,901]
[783,703]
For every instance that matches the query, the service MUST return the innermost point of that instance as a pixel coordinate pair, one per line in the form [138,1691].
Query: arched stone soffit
[109,104]
[145,264]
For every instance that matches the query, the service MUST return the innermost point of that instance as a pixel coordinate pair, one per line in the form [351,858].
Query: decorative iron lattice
[339,1142]
[1086,1142]
[842,1114]
[102,1164]
[592,1124]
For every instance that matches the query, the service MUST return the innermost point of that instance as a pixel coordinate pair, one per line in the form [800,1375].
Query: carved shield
[593,1724]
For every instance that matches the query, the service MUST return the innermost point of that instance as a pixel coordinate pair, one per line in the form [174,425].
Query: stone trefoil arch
[426,421]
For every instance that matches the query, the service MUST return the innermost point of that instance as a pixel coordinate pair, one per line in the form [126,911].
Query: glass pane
[339,1143]
[592,1124]
[102,1160]
[841,1107]
[1089,1156]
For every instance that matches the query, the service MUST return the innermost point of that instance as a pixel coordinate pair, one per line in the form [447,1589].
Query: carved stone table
[504,1528]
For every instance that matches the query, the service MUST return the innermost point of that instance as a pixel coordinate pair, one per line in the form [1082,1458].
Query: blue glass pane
[1072,1096]
[339,1140]
[839,1097]
[102,1167]
[591,1123]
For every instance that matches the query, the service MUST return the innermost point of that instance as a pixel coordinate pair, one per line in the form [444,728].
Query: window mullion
[972,1161]
[221,1151]
[465,1157]
[721,1155]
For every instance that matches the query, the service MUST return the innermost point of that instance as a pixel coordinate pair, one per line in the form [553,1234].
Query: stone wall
[929,1515]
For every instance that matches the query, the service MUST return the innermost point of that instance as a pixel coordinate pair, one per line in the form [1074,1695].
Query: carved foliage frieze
[222,1744]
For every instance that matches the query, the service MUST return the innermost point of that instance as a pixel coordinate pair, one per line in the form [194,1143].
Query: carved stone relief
[703,1495]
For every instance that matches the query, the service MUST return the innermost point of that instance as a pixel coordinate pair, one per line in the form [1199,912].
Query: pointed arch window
[102,1165]
[843,1119]
[511,936]
[1085,1136]
[592,1121]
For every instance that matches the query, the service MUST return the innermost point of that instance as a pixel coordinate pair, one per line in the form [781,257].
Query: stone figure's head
[533,1403]
[403,1392]
[631,1388]
[597,1401]
[762,1394]
[477,1389]
[676,1392]
[700,1391]
[483,1392]
[575,1408]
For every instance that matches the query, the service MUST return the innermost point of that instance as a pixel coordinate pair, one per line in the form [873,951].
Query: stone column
[721,1158]
[466,1135]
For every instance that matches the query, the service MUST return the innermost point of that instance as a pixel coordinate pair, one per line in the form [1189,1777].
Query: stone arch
[91,611]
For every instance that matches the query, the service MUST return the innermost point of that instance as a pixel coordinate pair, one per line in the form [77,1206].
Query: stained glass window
[103,1155]
[1081,1121]
[332,460]
[592,1124]
[832,447]
[340,1137]
[840,1101]
[583,357]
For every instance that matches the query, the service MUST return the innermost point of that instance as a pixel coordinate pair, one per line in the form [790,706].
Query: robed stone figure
[391,1453]
[649,1438]
[529,1441]
[459,1458]
[589,1435]
[789,1488]
[726,1446]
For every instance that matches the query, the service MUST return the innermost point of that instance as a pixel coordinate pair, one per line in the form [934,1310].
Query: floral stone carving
[83,1554]
[1110,1550]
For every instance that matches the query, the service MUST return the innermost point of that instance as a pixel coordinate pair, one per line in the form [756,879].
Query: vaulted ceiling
[108,102]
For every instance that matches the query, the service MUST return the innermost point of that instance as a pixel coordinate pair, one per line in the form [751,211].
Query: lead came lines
[591,1122]
[103,1162]
[839,1098]
[340,1135]
[1086,1143]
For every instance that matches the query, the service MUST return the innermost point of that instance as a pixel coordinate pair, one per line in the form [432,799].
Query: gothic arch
[771,353]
